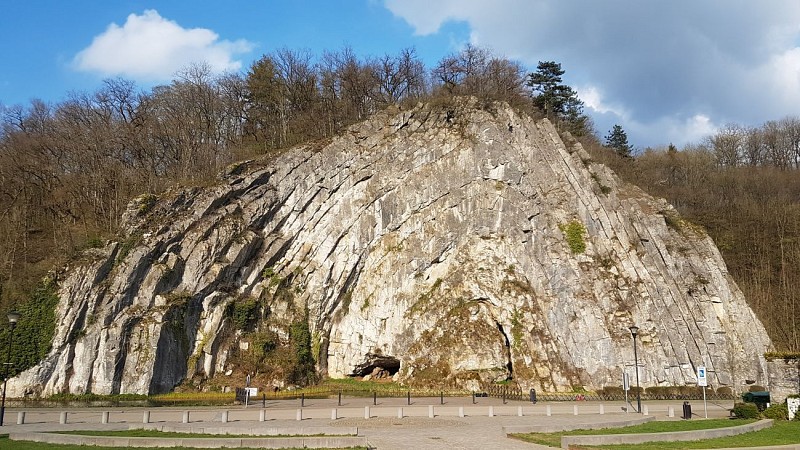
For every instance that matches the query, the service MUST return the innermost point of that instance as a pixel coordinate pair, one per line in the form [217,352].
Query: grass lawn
[782,433]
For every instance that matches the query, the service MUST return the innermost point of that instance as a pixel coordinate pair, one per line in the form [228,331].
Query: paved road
[383,429]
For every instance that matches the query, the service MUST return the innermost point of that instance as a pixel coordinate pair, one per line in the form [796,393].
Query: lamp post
[635,331]
[13,318]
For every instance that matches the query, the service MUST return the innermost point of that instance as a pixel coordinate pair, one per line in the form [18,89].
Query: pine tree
[618,140]
[556,100]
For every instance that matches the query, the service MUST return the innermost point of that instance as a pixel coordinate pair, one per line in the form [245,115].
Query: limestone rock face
[469,244]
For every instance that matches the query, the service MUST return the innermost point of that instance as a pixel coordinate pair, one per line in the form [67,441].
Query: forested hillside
[69,170]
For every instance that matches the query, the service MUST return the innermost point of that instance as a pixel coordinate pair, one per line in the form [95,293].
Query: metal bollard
[146,417]
[185,417]
[491,411]
[473,397]
[104,417]
[430,411]
[548,411]
[340,399]
[409,398]
[302,400]
[366,412]
[21,418]
[400,412]
[299,414]
[441,398]
[519,411]
[62,418]
[262,415]
[374,398]
[334,414]
[263,400]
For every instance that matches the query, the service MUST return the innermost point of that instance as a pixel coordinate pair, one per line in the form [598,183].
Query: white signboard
[701,376]
[794,407]
[252,392]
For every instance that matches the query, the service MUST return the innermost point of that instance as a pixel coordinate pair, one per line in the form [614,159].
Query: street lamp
[635,331]
[13,318]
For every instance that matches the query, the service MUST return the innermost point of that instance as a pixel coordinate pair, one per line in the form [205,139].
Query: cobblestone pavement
[392,423]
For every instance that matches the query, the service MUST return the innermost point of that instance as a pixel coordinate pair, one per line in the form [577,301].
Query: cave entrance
[377,366]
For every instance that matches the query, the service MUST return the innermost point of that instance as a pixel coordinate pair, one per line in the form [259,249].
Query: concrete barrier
[110,441]
[613,439]
[515,429]
[254,430]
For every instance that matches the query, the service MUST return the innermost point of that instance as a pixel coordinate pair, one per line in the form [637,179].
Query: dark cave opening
[509,364]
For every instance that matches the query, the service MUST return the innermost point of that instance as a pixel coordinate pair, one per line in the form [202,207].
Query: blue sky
[666,71]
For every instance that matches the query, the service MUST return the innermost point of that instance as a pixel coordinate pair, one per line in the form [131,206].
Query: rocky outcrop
[469,244]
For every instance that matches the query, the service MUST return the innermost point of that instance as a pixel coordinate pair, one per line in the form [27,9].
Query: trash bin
[760,398]
[533,395]
[687,410]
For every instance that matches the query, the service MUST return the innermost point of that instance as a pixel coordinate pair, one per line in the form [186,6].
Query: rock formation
[468,244]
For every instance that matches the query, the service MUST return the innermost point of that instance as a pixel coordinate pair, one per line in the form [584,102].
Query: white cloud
[657,66]
[150,47]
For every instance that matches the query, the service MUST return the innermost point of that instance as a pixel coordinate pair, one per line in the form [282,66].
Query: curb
[611,439]
[514,429]
[113,441]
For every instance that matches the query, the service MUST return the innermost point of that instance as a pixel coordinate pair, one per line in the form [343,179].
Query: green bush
[574,232]
[244,312]
[33,335]
[745,411]
[776,412]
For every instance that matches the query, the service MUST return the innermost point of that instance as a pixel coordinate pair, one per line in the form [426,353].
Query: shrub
[244,312]
[745,411]
[776,412]
[574,232]
[725,390]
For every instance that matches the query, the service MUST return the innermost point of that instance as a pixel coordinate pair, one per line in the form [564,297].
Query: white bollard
[334,414]
[262,415]
[185,417]
[519,411]
[146,417]
[644,409]
[400,412]
[602,409]
[460,411]
[671,412]
[575,410]
[104,417]
[491,411]
[299,414]
[21,418]
[548,411]
[62,419]
[224,416]
[366,412]
[430,411]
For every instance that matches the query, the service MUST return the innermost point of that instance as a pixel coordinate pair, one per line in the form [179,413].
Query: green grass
[782,433]
[7,444]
